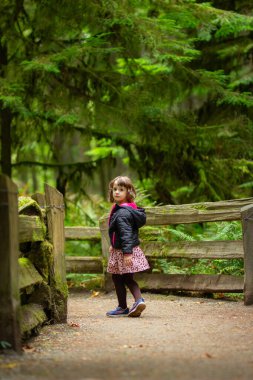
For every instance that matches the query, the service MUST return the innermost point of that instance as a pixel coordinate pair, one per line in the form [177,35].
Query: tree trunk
[6,141]
[5,118]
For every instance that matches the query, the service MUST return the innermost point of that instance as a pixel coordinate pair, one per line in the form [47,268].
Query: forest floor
[175,338]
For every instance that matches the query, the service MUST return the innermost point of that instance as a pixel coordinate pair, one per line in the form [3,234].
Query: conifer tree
[166,82]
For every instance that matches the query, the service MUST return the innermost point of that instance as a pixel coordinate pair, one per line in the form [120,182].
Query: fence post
[55,221]
[103,225]
[9,252]
[40,199]
[247,229]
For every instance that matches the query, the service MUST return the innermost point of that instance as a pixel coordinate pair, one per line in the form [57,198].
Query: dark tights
[120,283]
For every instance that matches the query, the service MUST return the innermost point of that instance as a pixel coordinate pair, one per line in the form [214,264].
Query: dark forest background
[158,90]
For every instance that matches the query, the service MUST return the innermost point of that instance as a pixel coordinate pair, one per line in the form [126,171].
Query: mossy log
[31,228]
[28,275]
[28,206]
[41,255]
[42,295]
[32,316]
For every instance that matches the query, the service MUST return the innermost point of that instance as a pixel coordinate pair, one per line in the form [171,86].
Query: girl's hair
[125,182]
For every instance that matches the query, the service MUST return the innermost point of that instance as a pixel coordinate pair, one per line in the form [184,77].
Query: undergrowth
[201,232]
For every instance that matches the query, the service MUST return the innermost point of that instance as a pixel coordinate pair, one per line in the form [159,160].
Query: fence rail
[240,209]
[157,219]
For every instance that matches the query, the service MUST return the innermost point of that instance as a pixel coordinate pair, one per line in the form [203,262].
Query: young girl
[126,257]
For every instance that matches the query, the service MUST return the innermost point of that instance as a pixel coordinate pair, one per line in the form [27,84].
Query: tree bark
[5,119]
[6,141]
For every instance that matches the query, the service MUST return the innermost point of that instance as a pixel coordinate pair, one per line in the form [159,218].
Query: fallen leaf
[72,324]
[95,294]
[28,348]
[8,365]
[208,355]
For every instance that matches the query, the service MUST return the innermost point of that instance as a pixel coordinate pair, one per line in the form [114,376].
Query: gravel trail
[184,338]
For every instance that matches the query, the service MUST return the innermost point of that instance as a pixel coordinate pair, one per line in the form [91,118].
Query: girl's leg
[120,289]
[132,285]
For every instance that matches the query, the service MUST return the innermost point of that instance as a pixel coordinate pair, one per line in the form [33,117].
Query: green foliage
[160,89]
[4,345]
[83,248]
[86,281]
[210,232]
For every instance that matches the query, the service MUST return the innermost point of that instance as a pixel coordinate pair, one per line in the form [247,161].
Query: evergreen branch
[81,165]
[100,79]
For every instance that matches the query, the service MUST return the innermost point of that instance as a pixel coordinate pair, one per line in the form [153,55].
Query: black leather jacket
[124,224]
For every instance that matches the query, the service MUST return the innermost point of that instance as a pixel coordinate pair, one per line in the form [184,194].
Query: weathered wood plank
[166,216]
[28,275]
[105,240]
[9,251]
[193,212]
[31,228]
[182,282]
[93,233]
[31,316]
[194,250]
[226,204]
[247,225]
[55,218]
[197,282]
[190,215]
[81,264]
[82,233]
[40,199]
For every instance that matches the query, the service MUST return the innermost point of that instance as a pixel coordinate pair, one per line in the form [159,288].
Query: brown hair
[125,182]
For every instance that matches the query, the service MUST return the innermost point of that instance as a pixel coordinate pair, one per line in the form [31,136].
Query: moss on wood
[28,206]
[41,256]
[31,228]
[42,295]
[28,275]
[32,317]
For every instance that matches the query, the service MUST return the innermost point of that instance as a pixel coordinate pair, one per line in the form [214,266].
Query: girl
[126,257]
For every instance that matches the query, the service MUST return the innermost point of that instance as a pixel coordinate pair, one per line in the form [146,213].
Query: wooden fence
[33,286]
[240,209]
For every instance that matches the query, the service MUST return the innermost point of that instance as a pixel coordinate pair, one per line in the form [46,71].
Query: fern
[180,235]
[4,345]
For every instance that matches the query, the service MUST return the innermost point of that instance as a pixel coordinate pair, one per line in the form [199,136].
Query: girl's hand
[110,249]
[127,259]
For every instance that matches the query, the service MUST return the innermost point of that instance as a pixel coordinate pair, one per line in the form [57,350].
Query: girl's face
[119,193]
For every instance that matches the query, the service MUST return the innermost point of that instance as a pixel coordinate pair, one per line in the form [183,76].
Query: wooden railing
[83,264]
[33,286]
[159,217]
[241,209]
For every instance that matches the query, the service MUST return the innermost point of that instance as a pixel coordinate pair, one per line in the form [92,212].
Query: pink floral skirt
[116,262]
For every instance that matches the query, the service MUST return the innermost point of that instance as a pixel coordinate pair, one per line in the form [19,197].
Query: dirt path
[176,338]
